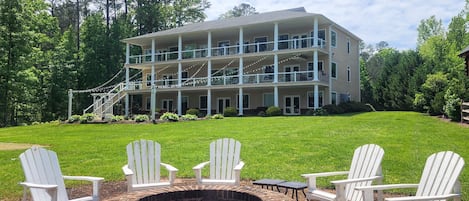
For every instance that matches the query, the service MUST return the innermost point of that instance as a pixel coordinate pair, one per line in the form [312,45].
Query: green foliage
[35,123]
[452,106]
[74,118]
[217,116]
[193,111]
[317,112]
[333,109]
[261,114]
[243,9]
[230,112]
[189,117]
[169,116]
[273,111]
[141,118]
[88,117]
[117,118]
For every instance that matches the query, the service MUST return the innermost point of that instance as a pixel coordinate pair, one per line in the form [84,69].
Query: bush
[230,112]
[141,118]
[193,111]
[88,117]
[217,116]
[316,112]
[35,123]
[74,118]
[189,117]
[333,109]
[169,116]
[117,118]
[452,107]
[261,114]
[273,111]
[353,106]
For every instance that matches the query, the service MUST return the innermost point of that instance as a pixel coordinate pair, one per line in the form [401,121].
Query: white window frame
[255,43]
[244,102]
[167,109]
[349,74]
[219,48]
[334,94]
[148,103]
[348,45]
[200,102]
[321,101]
[332,68]
[264,99]
[310,74]
[333,38]
[288,41]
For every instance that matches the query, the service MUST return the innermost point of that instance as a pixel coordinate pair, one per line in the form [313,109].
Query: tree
[428,28]
[243,9]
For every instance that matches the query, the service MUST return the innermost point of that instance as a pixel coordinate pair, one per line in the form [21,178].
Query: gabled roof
[274,16]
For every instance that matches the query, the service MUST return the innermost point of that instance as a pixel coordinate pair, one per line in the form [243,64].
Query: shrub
[273,111]
[333,109]
[117,118]
[35,123]
[193,111]
[261,114]
[74,118]
[88,117]
[452,107]
[189,117]
[217,116]
[230,112]
[169,116]
[141,118]
[316,112]
[353,106]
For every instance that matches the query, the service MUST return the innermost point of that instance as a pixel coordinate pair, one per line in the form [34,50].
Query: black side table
[268,182]
[295,186]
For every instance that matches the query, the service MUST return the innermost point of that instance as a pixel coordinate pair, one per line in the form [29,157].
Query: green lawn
[274,147]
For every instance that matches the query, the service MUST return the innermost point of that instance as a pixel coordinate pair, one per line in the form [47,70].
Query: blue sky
[393,21]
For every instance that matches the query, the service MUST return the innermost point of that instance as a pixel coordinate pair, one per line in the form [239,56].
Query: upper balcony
[294,44]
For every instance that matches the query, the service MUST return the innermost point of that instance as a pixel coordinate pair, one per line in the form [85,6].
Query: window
[269,70]
[148,79]
[268,99]
[283,42]
[334,98]
[334,70]
[261,44]
[311,69]
[311,99]
[203,102]
[245,101]
[173,53]
[167,105]
[345,98]
[223,48]
[245,47]
[333,39]
[148,99]
[348,74]
[321,36]
[184,76]
[348,45]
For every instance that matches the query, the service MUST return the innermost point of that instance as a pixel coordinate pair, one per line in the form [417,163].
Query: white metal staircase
[104,105]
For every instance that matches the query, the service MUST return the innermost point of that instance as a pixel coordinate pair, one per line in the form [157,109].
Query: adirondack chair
[439,180]
[365,168]
[142,170]
[225,163]
[44,178]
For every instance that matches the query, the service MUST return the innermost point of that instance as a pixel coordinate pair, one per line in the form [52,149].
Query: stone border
[263,194]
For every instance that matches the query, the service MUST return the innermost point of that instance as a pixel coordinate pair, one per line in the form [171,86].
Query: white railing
[294,43]
[102,104]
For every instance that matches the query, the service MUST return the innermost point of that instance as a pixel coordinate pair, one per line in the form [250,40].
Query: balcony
[252,48]
[300,77]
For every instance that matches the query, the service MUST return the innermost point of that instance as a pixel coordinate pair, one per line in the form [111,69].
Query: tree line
[50,46]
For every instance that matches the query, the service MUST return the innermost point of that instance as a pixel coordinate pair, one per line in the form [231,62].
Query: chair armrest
[424,198]
[237,170]
[239,166]
[51,189]
[33,185]
[312,177]
[96,183]
[349,181]
[127,171]
[198,171]
[172,172]
[368,190]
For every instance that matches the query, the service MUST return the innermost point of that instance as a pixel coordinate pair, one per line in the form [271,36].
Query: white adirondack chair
[365,168]
[439,180]
[142,170]
[44,178]
[225,163]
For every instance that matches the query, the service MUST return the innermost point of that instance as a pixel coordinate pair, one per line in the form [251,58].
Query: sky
[393,21]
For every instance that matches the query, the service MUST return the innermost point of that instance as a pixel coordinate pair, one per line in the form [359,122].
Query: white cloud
[373,21]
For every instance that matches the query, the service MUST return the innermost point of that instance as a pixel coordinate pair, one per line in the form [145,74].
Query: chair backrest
[366,162]
[144,160]
[41,166]
[440,174]
[224,156]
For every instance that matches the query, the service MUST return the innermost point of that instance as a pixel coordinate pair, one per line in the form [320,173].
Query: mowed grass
[274,147]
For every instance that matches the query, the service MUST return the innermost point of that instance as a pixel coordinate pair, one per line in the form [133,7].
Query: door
[222,104]
[184,104]
[167,105]
[290,74]
[292,105]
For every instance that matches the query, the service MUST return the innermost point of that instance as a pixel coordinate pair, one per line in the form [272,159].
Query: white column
[276,36]
[315,44]
[240,70]
[179,74]
[179,61]
[316,96]
[275,68]
[209,72]
[315,32]
[209,44]
[240,102]
[70,98]
[330,65]
[276,96]
[179,103]
[241,41]
[127,78]
[179,47]
[209,102]
[153,87]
